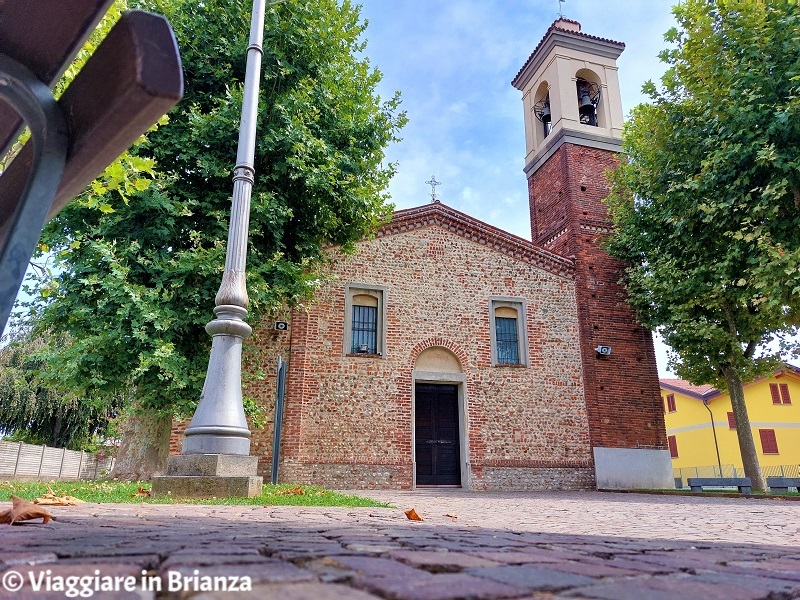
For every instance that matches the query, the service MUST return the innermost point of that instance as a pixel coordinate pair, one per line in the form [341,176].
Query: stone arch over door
[434,342]
[439,362]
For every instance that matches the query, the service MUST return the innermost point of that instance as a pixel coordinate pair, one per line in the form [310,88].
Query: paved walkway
[470,545]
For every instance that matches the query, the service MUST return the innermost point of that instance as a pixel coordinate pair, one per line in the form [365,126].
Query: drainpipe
[714,430]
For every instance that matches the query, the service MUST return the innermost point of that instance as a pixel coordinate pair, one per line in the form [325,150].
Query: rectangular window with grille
[508,331]
[769,444]
[364,324]
[673,446]
[365,330]
[731,421]
[507,341]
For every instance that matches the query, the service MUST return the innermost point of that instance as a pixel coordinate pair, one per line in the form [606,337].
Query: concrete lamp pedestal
[209,475]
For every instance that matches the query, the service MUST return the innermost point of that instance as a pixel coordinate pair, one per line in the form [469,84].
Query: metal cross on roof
[433,183]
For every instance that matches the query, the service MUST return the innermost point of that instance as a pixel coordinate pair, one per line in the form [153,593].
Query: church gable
[494,239]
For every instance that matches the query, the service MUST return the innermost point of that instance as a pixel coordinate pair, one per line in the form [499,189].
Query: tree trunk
[54,439]
[747,447]
[144,449]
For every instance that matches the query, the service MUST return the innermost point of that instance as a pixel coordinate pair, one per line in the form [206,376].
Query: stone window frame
[520,305]
[377,292]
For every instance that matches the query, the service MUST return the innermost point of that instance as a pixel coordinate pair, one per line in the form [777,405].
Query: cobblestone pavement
[470,545]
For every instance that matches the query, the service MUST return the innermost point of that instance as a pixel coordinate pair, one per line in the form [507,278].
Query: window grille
[365,330]
[507,341]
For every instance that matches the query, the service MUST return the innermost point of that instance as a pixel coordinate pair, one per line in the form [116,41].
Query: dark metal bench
[743,483]
[781,485]
[132,79]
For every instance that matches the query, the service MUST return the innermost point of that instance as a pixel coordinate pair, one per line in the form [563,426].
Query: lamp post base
[207,475]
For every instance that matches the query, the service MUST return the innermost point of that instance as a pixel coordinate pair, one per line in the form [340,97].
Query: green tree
[32,408]
[712,235]
[33,411]
[138,279]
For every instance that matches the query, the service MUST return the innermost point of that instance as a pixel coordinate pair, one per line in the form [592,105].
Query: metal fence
[731,471]
[26,461]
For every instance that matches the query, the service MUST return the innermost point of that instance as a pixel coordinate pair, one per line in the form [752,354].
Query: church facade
[447,352]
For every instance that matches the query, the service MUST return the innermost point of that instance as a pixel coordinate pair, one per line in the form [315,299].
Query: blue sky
[453,61]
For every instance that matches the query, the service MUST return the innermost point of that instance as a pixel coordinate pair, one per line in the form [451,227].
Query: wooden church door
[437,446]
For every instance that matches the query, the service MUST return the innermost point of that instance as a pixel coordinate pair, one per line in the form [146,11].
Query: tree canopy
[137,279]
[33,411]
[712,235]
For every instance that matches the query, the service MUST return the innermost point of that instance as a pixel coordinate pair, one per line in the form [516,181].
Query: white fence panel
[26,461]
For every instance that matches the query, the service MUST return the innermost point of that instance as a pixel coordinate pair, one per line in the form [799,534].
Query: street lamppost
[219,425]
[714,430]
[215,459]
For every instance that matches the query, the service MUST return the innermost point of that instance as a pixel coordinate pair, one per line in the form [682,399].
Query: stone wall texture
[568,216]
[349,420]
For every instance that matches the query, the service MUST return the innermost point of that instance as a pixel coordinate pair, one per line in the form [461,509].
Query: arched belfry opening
[543,111]
[589,93]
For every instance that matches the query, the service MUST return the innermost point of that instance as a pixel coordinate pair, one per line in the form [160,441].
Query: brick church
[447,352]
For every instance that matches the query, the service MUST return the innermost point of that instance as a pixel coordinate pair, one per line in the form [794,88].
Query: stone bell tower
[573,132]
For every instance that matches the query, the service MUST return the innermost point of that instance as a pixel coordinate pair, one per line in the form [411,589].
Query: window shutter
[785,393]
[769,445]
[731,421]
[673,446]
[776,396]
[671,402]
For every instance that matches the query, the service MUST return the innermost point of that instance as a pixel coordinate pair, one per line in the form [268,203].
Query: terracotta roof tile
[697,391]
[567,31]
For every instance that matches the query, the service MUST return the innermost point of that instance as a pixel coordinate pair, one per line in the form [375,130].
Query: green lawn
[126,492]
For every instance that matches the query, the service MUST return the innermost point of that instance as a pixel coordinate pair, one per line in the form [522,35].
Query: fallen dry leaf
[452,517]
[141,493]
[413,516]
[22,510]
[293,491]
[51,499]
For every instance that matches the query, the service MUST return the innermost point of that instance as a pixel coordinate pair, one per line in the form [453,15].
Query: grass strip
[104,491]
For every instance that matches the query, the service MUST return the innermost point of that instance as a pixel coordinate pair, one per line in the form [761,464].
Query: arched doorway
[439,420]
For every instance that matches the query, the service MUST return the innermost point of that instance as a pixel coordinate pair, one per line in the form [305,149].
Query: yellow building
[773,405]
